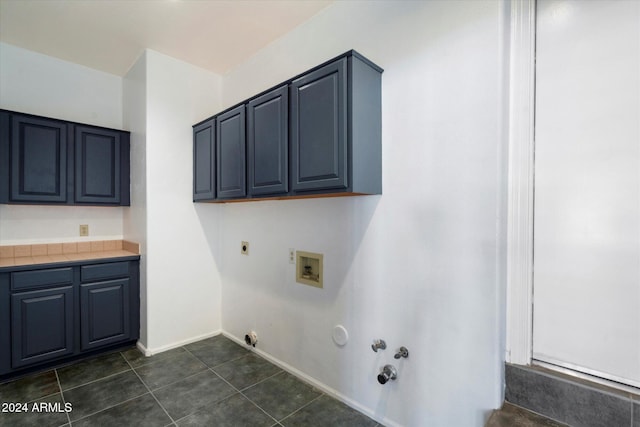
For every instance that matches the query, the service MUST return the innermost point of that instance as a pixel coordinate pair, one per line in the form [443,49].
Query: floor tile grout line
[173,382]
[260,408]
[96,380]
[78,362]
[207,368]
[219,364]
[293,412]
[224,398]
[302,407]
[43,397]
[176,381]
[152,362]
[111,406]
[151,393]
[62,396]
[108,407]
[240,391]
[263,380]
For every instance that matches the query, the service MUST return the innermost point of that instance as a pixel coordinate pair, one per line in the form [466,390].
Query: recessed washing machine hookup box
[309,268]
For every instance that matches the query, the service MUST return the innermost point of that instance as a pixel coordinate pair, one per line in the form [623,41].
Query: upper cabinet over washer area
[315,135]
[48,161]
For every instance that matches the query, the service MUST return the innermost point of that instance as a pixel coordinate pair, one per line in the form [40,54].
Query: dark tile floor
[214,382]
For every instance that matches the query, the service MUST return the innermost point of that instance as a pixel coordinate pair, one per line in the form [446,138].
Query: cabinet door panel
[38,160]
[231,154]
[318,128]
[268,143]
[204,161]
[104,313]
[41,325]
[97,165]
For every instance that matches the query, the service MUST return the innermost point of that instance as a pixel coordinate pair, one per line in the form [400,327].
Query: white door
[587,187]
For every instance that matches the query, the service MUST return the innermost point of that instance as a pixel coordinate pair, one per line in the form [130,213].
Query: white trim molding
[520,183]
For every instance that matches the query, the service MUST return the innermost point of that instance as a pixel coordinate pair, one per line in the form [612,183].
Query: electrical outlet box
[309,268]
[244,248]
[84,229]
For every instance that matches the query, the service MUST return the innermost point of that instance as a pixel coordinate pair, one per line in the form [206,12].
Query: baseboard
[313,382]
[150,352]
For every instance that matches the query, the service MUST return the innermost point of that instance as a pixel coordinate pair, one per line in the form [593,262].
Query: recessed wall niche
[309,268]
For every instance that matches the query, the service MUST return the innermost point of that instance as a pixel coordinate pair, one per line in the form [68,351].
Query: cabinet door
[38,160]
[41,325]
[104,313]
[268,143]
[98,152]
[318,128]
[231,154]
[204,187]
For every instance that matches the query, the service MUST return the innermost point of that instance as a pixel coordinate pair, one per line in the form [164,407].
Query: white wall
[420,266]
[182,279]
[34,83]
[134,116]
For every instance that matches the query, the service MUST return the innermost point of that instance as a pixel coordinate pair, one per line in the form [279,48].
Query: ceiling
[109,35]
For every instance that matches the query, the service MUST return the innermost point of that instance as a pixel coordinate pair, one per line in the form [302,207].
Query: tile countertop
[49,253]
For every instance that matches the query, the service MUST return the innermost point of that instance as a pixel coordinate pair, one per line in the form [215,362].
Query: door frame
[519,301]
[520,201]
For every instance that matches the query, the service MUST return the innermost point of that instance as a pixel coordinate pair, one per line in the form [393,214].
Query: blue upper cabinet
[318,134]
[268,143]
[38,159]
[98,162]
[204,184]
[231,154]
[336,129]
[319,128]
[48,161]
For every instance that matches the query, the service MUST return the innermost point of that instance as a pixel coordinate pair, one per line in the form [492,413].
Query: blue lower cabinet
[41,325]
[104,313]
[81,308]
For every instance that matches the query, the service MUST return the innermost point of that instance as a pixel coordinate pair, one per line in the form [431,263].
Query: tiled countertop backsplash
[60,252]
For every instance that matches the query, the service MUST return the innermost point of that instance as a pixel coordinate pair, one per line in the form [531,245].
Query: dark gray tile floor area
[214,382]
